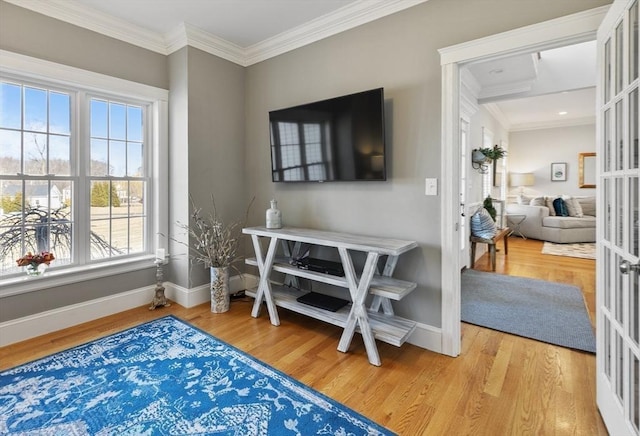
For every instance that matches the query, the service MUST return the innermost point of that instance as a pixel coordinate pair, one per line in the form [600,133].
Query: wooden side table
[501,235]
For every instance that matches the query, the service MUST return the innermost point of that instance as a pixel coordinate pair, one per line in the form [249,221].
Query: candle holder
[159,299]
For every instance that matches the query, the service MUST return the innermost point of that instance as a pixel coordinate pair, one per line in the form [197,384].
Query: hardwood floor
[500,384]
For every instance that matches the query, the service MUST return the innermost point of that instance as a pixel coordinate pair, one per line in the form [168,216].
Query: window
[81,171]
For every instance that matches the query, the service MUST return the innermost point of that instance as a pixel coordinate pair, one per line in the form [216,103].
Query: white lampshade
[522,179]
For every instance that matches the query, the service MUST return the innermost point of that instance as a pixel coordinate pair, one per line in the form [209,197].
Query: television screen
[340,139]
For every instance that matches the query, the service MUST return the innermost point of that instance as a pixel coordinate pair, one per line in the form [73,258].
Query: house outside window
[81,168]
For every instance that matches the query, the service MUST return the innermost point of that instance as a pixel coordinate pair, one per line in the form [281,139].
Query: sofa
[547,220]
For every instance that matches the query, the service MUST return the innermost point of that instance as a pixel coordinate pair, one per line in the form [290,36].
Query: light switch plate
[430,186]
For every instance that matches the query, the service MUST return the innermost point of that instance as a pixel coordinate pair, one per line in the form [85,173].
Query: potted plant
[216,246]
[490,154]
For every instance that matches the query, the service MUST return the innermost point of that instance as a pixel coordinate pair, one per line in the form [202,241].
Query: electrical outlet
[430,186]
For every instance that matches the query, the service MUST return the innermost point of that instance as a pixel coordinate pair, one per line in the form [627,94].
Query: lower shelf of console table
[391,329]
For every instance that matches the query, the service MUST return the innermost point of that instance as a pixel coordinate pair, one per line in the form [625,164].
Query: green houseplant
[494,153]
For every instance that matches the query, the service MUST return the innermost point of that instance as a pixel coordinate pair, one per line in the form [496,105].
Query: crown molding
[499,116]
[348,17]
[352,15]
[584,121]
[188,35]
[570,29]
[79,15]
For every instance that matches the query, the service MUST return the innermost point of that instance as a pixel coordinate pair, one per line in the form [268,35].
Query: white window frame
[28,68]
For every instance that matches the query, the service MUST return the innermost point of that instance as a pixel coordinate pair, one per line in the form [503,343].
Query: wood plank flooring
[500,384]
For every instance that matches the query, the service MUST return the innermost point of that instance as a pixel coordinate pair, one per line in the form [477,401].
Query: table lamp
[521,180]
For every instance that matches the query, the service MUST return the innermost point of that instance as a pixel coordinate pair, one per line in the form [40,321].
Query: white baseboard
[192,297]
[28,327]
[428,337]
[16,330]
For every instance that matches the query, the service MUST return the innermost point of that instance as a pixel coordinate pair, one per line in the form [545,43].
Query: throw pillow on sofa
[573,206]
[588,205]
[552,210]
[482,225]
[560,207]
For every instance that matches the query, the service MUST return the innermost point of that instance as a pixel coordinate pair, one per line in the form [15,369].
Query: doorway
[573,29]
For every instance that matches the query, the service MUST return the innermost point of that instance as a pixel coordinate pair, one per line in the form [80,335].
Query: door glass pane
[619,374]
[618,150]
[607,278]
[634,218]
[618,293]
[619,56]
[633,129]
[633,42]
[607,140]
[608,347]
[607,71]
[607,209]
[635,387]
[634,309]
[619,224]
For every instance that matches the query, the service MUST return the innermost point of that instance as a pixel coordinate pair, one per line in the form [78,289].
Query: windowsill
[65,276]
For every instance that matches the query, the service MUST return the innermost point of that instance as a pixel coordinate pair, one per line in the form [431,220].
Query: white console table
[371,323]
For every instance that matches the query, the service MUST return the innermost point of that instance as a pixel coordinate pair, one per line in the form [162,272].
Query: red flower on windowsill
[36,259]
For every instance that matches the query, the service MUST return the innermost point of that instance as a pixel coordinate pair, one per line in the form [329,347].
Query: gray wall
[219,127]
[533,151]
[399,53]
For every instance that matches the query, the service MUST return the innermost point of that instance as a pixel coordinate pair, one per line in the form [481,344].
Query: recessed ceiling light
[562,113]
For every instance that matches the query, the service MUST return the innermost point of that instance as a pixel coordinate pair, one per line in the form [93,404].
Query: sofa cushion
[538,201]
[573,206]
[588,205]
[482,225]
[549,201]
[568,222]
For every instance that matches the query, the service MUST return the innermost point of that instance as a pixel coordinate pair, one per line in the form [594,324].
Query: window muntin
[41,207]
[36,176]
[118,178]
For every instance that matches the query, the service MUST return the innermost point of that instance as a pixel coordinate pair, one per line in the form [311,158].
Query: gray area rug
[549,312]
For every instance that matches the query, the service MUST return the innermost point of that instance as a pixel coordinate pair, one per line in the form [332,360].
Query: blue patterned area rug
[165,377]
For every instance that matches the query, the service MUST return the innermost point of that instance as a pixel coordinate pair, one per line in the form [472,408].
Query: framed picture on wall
[559,172]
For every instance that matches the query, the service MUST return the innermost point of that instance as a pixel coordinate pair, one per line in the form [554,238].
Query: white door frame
[572,29]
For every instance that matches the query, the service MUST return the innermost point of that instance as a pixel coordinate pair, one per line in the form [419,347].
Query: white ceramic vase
[219,289]
[274,216]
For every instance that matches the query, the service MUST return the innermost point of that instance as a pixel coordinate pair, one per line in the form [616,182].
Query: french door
[618,300]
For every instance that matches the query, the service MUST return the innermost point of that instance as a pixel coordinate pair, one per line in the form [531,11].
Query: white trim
[427,337]
[348,17]
[28,327]
[27,66]
[554,33]
[570,29]
[76,13]
[497,113]
[584,121]
[192,297]
[157,99]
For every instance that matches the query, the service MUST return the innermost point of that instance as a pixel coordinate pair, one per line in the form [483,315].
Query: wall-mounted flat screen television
[340,139]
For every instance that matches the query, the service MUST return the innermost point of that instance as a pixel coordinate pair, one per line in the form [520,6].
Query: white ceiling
[241,31]
[548,89]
